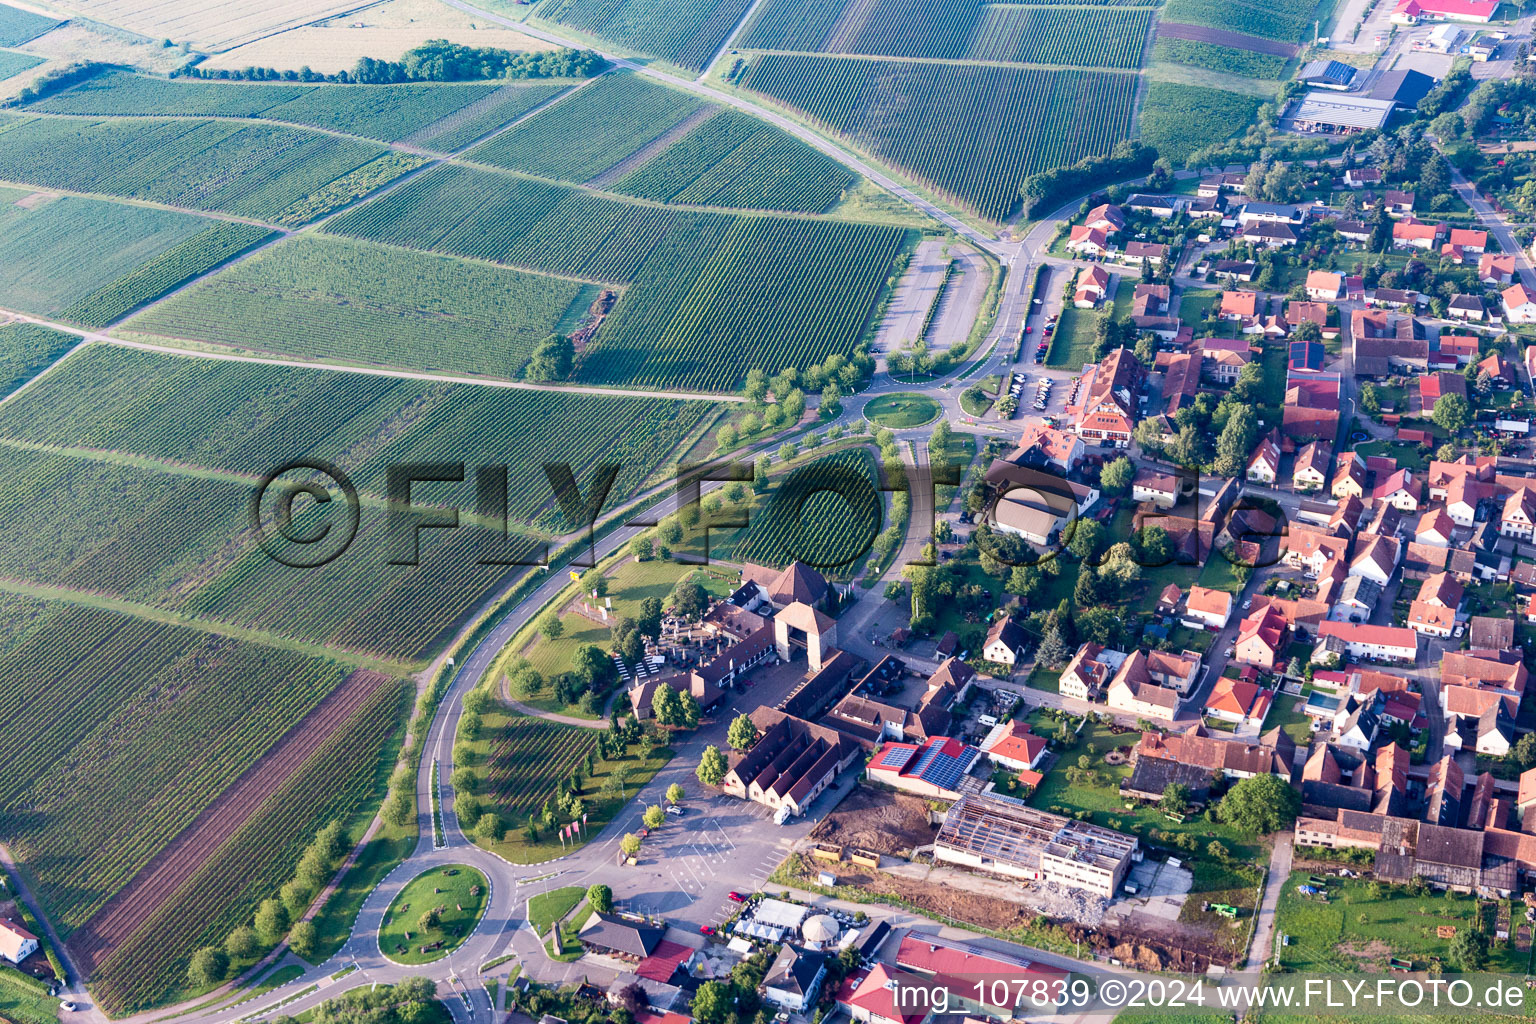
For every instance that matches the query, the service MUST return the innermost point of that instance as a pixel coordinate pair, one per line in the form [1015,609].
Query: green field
[776,293]
[526,223]
[90,261]
[458,893]
[27,349]
[1215,57]
[12,64]
[521,762]
[331,298]
[714,294]
[110,770]
[1271,19]
[591,130]
[1179,119]
[1107,35]
[972,132]
[736,160]
[383,112]
[250,419]
[1331,936]
[900,410]
[253,170]
[684,34]
[18,26]
[824,513]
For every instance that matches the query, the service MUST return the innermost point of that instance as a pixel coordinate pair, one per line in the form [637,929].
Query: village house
[1209,608]
[1412,234]
[1005,642]
[1496,269]
[1105,217]
[1264,463]
[1324,285]
[1239,305]
[1433,612]
[1519,304]
[1375,643]
[1108,408]
[1134,692]
[1312,465]
[1223,359]
[1087,241]
[1012,745]
[1239,702]
[1092,286]
[1162,489]
[1088,674]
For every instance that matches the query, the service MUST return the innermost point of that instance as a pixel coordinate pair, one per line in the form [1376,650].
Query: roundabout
[434,914]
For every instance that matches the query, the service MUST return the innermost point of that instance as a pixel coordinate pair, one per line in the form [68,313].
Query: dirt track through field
[1222,37]
[121,915]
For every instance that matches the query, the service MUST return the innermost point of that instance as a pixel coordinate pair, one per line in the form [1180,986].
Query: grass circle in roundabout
[434,914]
[902,409]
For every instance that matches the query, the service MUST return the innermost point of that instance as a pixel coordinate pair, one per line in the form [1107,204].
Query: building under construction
[1004,836]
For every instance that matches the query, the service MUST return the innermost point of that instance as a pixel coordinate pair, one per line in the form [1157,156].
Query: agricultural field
[825,513]
[337,780]
[484,116]
[525,223]
[18,26]
[386,113]
[90,261]
[250,170]
[132,532]
[591,130]
[1217,57]
[12,64]
[686,35]
[735,160]
[973,133]
[1111,35]
[1271,19]
[521,761]
[776,293]
[1180,119]
[131,781]
[248,419]
[26,350]
[333,298]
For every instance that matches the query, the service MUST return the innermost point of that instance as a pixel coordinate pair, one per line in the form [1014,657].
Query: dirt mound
[869,819]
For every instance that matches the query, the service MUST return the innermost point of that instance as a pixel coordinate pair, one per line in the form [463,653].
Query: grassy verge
[548,907]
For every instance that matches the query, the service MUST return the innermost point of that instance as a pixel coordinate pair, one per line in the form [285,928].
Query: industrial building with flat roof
[1340,115]
[1004,836]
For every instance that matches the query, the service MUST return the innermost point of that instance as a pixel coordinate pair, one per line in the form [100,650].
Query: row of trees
[210,965]
[436,60]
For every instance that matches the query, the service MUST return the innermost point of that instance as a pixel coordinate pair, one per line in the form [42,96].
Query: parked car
[675,810]
[735,897]
[706,929]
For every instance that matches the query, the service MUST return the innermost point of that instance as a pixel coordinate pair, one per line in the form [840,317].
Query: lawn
[1101,797]
[1045,680]
[985,392]
[902,410]
[1220,574]
[1354,932]
[548,907]
[1274,365]
[1406,453]
[1287,714]
[1125,294]
[458,895]
[1194,302]
[1073,343]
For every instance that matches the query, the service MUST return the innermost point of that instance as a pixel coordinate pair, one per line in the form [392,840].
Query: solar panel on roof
[895,757]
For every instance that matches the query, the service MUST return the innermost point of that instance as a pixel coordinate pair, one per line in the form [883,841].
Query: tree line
[436,60]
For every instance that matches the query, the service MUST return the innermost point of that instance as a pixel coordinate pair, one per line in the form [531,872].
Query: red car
[705,929]
[1028,330]
[735,897]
